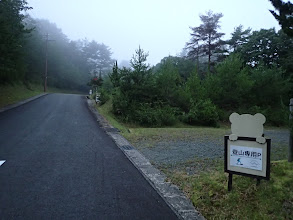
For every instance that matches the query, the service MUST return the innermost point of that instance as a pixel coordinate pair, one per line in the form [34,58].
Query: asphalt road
[61,165]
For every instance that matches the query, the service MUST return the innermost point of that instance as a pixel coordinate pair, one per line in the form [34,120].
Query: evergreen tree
[12,40]
[285,16]
[239,37]
[205,39]
[98,57]
[115,76]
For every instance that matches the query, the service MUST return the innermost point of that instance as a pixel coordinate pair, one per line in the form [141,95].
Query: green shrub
[204,112]
[104,96]
[276,116]
[155,116]
[168,115]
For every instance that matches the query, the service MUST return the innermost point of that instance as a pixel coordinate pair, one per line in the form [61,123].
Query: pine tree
[285,16]
[239,37]
[205,39]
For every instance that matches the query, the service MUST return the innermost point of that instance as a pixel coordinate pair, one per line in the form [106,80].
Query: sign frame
[267,168]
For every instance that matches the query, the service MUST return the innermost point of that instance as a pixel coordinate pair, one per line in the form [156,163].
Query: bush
[168,115]
[231,84]
[104,96]
[204,112]
[276,116]
[155,116]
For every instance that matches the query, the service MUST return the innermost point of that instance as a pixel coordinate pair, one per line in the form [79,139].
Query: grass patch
[11,94]
[174,133]
[105,110]
[270,200]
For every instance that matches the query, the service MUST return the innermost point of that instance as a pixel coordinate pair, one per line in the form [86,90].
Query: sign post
[247,152]
[98,98]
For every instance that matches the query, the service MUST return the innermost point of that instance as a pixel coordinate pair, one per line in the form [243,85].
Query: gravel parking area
[195,149]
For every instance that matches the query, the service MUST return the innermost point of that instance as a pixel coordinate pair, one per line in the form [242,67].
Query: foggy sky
[160,27]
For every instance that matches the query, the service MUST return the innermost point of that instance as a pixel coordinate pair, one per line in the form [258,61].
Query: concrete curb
[171,194]
[8,107]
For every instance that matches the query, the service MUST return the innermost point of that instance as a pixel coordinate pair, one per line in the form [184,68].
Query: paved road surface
[61,165]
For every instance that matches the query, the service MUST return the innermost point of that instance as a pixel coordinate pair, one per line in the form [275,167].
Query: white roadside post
[290,156]
[97,98]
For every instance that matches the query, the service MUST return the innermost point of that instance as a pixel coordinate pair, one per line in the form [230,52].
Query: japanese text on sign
[246,157]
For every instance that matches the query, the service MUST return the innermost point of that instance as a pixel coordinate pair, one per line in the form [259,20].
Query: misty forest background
[250,72]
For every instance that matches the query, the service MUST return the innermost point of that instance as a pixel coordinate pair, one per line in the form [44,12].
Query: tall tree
[262,47]
[205,39]
[183,65]
[239,37]
[269,48]
[12,40]
[284,15]
[115,76]
[98,57]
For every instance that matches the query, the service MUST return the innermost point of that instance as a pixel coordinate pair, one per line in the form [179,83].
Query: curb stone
[171,194]
[8,107]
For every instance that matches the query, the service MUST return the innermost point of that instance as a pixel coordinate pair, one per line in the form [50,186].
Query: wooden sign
[247,151]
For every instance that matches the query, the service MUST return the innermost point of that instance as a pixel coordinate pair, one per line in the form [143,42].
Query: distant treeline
[23,45]
[249,73]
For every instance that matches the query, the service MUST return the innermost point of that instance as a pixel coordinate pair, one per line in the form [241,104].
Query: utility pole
[46,63]
[290,158]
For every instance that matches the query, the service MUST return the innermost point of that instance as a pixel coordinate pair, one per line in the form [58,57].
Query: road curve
[59,164]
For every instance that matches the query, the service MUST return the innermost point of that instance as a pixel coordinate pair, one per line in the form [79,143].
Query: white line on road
[1,162]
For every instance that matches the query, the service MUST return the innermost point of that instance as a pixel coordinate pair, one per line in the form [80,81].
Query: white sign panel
[246,157]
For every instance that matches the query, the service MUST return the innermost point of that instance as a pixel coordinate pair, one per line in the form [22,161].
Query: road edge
[11,106]
[170,193]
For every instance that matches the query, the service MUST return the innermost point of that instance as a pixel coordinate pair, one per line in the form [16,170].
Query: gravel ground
[195,150]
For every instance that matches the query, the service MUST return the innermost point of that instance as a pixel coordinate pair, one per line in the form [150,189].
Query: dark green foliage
[262,47]
[155,115]
[136,87]
[183,65]
[203,112]
[114,76]
[104,96]
[165,97]
[229,87]
[266,47]
[284,15]
[269,90]
[194,87]
[285,52]
[12,40]
[239,38]
[167,82]
[268,83]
